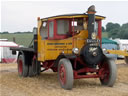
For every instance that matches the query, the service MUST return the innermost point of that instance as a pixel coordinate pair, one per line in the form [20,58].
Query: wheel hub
[20,66]
[105,73]
[62,74]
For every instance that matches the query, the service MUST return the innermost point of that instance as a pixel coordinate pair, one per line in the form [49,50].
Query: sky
[22,15]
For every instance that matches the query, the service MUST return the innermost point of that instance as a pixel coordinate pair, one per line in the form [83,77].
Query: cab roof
[71,16]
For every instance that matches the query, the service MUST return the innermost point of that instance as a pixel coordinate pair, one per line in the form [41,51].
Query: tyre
[126,59]
[34,67]
[38,67]
[65,74]
[22,67]
[31,74]
[109,73]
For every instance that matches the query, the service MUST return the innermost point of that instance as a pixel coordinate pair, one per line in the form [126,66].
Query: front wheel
[126,59]
[65,74]
[109,73]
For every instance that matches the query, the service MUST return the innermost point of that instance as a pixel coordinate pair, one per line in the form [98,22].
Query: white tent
[5,52]
[122,45]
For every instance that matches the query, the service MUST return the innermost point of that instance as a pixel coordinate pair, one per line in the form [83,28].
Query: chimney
[91,20]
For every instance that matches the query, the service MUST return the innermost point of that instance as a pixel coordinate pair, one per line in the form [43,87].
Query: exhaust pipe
[91,21]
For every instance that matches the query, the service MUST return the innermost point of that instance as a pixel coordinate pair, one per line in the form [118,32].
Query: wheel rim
[62,74]
[105,72]
[20,66]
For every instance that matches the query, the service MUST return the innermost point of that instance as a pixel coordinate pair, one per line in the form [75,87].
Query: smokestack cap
[91,10]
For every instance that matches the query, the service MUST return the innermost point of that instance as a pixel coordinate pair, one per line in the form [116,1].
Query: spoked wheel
[109,71]
[126,59]
[34,67]
[22,67]
[65,74]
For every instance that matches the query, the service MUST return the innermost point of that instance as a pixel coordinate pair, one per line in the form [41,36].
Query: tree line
[115,30]
[6,32]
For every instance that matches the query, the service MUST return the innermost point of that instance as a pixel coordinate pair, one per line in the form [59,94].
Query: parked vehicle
[110,45]
[70,45]
[122,45]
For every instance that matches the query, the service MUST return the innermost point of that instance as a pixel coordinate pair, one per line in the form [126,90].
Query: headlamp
[75,50]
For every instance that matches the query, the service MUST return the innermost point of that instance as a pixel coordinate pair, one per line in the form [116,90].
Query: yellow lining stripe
[78,16]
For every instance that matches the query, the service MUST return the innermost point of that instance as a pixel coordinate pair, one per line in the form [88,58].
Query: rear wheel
[126,59]
[65,74]
[22,67]
[109,73]
[34,67]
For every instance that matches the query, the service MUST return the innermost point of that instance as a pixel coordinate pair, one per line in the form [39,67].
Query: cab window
[62,27]
[51,29]
[44,30]
[78,24]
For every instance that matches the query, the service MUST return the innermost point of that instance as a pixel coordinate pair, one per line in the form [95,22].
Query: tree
[103,29]
[114,33]
[124,26]
[110,26]
[5,32]
[124,33]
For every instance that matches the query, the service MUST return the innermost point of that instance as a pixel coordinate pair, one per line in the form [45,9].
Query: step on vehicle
[69,45]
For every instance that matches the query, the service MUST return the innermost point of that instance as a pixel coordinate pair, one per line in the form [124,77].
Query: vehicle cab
[60,34]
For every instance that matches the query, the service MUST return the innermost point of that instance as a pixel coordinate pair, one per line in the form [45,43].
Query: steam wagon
[69,45]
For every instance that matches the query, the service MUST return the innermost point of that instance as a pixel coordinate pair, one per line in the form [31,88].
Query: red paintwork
[34,57]
[100,31]
[62,74]
[101,72]
[86,69]
[105,72]
[57,36]
[48,64]
[8,60]
[20,66]
[54,69]
[76,76]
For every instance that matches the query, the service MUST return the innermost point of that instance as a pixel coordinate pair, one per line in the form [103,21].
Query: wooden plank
[22,49]
[118,52]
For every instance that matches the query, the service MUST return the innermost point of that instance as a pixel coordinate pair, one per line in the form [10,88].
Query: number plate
[93,41]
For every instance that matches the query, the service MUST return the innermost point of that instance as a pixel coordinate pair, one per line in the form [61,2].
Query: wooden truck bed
[22,49]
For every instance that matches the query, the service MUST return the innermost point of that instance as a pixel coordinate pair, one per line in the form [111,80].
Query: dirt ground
[47,84]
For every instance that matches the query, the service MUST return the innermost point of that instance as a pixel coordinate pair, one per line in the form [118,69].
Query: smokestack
[91,20]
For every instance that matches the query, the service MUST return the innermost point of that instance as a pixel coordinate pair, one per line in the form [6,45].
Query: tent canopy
[107,41]
[5,52]
[8,44]
[121,41]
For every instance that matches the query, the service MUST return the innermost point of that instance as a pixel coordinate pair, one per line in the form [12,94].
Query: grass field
[25,38]
[21,39]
